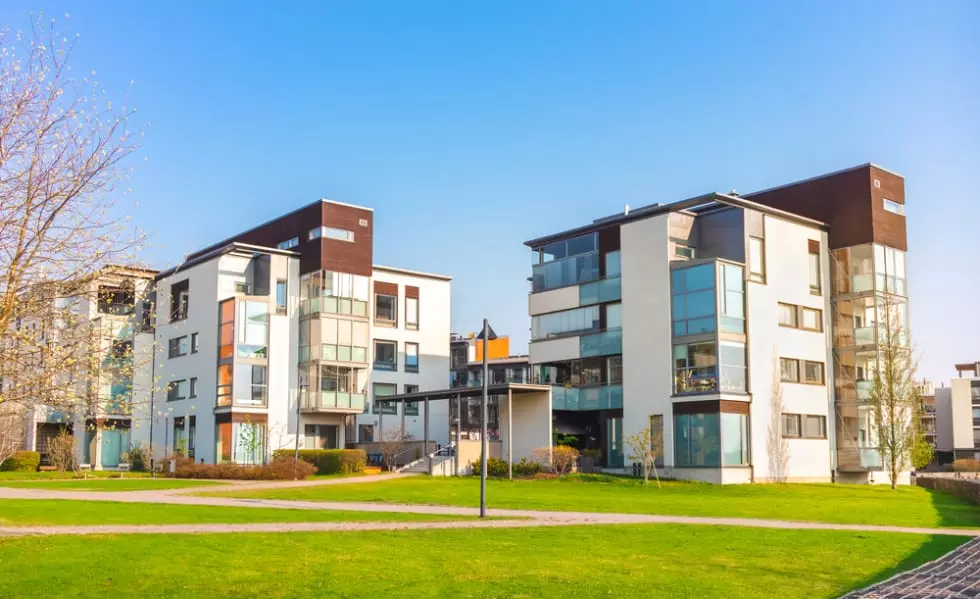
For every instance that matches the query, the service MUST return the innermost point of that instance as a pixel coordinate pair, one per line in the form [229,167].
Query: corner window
[732,299]
[411,357]
[894,207]
[281,296]
[412,313]
[757,259]
[253,329]
[385,355]
[693,299]
[385,309]
[813,258]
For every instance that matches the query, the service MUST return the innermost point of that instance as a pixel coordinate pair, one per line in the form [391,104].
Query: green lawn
[850,504]
[56,512]
[108,484]
[587,561]
[49,474]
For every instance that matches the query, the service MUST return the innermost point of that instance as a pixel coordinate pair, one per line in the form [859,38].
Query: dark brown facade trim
[711,407]
[386,288]
[411,291]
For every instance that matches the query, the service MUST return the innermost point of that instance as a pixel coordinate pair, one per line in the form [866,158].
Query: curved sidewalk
[529,517]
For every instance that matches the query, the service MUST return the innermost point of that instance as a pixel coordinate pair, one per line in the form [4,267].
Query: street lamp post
[483,423]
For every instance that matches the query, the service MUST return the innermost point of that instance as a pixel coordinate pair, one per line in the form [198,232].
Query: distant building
[958,415]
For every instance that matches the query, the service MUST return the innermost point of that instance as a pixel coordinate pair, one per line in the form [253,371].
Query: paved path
[529,517]
[955,575]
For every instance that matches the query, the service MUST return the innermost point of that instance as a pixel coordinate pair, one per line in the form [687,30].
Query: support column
[425,441]
[510,435]
[459,425]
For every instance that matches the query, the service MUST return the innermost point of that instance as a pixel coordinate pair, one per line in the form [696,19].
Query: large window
[695,368]
[253,331]
[382,390]
[566,322]
[566,262]
[693,299]
[733,299]
[385,355]
[889,270]
[732,371]
[411,357]
[334,293]
[711,440]
[757,259]
[251,386]
[385,309]
[226,329]
[240,442]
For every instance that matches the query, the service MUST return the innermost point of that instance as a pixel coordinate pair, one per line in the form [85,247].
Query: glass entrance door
[614,442]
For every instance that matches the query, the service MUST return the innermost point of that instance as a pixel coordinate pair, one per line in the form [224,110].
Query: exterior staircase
[442,462]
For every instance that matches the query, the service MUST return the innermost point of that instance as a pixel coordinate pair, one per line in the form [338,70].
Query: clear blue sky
[473,126]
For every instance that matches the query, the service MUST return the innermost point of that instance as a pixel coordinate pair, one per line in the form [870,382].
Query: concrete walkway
[529,517]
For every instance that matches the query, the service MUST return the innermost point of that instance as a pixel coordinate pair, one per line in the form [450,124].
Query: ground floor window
[321,436]
[710,440]
[365,433]
[240,442]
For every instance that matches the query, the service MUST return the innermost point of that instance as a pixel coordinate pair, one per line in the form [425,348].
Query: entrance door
[614,442]
[111,448]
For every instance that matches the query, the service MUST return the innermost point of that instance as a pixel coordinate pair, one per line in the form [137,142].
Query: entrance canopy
[525,421]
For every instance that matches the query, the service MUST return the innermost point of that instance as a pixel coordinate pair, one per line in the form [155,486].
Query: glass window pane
[701,303]
[787,315]
[735,443]
[700,325]
[614,316]
[679,304]
[733,277]
[700,277]
[757,261]
[789,370]
[733,304]
[612,265]
[677,280]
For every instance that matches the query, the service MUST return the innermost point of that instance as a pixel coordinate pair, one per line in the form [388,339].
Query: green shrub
[497,468]
[527,468]
[278,469]
[22,461]
[329,461]
[138,458]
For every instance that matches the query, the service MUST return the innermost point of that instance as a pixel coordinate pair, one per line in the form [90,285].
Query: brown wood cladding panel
[226,417]
[813,246]
[608,242]
[386,288]
[346,256]
[711,407]
[843,201]
[889,228]
[411,291]
[296,224]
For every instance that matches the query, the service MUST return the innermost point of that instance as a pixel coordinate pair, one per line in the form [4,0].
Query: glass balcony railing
[332,400]
[606,290]
[333,353]
[864,336]
[607,343]
[864,389]
[598,397]
[333,305]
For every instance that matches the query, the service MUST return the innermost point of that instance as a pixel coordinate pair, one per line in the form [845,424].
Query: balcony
[333,353]
[858,459]
[607,343]
[864,389]
[333,305]
[599,397]
[332,401]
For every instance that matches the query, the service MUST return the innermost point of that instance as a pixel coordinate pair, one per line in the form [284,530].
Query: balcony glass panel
[606,290]
[695,368]
[693,299]
[599,397]
[601,344]
[561,273]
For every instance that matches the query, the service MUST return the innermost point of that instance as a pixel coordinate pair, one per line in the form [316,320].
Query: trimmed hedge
[22,461]
[329,461]
[278,469]
[497,468]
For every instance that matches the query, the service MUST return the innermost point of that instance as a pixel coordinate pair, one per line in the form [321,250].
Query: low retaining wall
[967,488]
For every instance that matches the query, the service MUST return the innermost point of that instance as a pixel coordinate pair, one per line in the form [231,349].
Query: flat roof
[701,201]
[412,273]
[196,259]
[515,388]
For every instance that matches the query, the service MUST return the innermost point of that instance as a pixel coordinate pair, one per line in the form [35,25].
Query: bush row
[966,465]
[278,469]
[22,461]
[497,468]
[329,461]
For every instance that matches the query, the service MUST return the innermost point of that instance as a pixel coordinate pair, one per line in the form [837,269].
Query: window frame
[811,255]
[796,369]
[805,377]
[760,275]
[411,408]
[794,310]
[786,434]
[409,323]
[288,244]
[192,387]
[173,390]
[174,346]
[823,426]
[801,321]
[893,207]
[281,308]
[415,367]
[684,251]
[375,401]
[195,343]
[384,322]
[377,364]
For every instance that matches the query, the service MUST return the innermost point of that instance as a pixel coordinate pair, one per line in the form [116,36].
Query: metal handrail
[436,453]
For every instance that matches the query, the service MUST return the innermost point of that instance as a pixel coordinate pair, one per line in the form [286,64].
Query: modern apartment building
[958,415]
[743,328]
[107,321]
[291,327]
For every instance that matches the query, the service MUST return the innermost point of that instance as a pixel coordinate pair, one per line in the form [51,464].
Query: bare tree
[390,446]
[61,146]
[12,431]
[61,451]
[645,447]
[776,444]
[894,398]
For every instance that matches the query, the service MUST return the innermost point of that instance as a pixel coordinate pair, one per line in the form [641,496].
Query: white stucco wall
[554,350]
[647,362]
[961,414]
[553,300]
[532,424]
[787,281]
[433,339]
